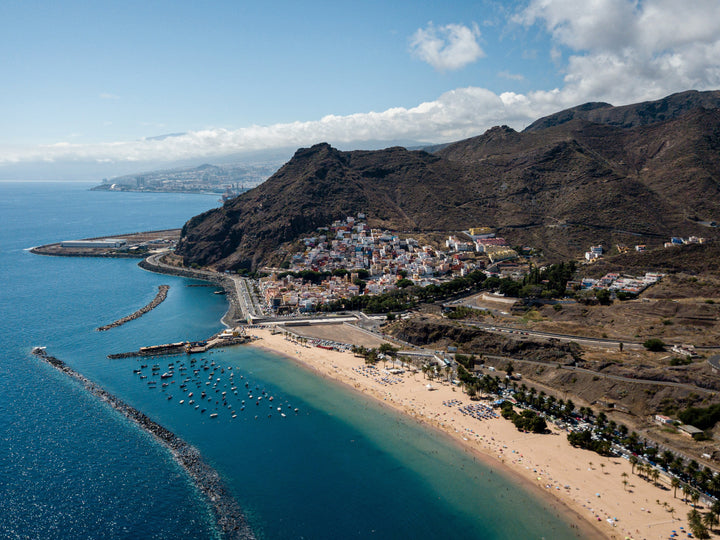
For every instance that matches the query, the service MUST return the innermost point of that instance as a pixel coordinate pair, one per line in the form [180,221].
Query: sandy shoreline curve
[586,489]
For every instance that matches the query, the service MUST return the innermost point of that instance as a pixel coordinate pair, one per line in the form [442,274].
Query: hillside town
[362,260]
[348,258]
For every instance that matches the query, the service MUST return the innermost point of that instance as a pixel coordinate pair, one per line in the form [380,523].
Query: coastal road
[582,340]
[243,295]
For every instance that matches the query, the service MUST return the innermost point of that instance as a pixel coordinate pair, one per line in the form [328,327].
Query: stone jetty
[230,519]
[159,299]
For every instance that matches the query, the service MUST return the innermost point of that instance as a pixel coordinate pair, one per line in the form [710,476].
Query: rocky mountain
[592,174]
[638,114]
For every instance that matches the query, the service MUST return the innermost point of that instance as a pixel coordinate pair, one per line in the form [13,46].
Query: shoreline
[571,481]
[231,522]
[581,486]
[586,530]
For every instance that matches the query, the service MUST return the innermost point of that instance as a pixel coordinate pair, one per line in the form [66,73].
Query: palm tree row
[702,479]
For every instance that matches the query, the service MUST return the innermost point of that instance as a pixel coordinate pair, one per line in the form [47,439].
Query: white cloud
[448,47]
[456,114]
[107,95]
[626,50]
[618,51]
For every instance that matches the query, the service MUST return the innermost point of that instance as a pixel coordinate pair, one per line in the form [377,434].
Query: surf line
[229,517]
[159,299]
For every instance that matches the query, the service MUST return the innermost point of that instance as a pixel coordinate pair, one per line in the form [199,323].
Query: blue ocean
[72,467]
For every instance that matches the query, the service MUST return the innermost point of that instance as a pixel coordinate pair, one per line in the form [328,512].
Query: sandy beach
[586,487]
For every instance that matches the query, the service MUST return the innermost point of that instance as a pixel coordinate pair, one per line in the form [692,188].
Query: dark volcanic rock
[560,188]
[638,114]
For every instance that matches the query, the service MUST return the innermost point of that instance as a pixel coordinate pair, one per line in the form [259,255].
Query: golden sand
[589,487]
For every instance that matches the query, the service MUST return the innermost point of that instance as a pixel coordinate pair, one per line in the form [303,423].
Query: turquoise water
[340,467]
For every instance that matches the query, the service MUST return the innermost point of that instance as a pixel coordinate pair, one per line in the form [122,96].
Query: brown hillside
[559,189]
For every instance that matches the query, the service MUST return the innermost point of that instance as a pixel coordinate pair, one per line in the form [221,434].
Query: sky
[100,82]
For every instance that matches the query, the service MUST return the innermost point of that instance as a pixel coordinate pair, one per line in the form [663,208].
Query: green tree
[654,345]
[675,483]
[603,297]
[710,519]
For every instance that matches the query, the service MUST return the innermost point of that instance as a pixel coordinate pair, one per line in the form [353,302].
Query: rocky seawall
[159,299]
[230,520]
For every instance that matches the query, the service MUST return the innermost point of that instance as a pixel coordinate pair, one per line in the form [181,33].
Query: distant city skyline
[100,83]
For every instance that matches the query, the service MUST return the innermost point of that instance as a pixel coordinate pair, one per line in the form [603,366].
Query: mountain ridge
[558,188]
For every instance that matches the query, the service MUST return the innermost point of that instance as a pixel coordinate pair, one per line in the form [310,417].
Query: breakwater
[159,299]
[185,347]
[230,520]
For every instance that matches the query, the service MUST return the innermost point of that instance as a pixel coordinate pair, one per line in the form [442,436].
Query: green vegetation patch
[701,417]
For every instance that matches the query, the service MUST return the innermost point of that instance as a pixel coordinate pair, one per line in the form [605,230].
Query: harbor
[230,519]
[225,338]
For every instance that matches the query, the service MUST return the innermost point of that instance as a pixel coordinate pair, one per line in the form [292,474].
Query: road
[582,340]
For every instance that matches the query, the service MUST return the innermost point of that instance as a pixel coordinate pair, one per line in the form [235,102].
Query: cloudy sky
[99,81]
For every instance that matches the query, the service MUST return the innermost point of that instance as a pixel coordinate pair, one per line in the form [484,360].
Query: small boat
[213,415]
[169,397]
[166,375]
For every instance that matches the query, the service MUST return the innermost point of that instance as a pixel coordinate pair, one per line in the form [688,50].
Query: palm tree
[710,520]
[715,484]
[715,508]
[686,492]
[677,464]
[633,462]
[675,483]
[655,475]
[695,497]
[667,458]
